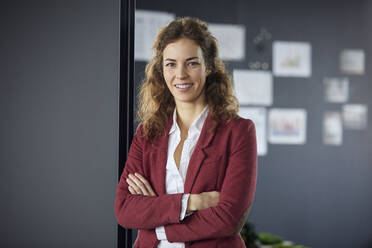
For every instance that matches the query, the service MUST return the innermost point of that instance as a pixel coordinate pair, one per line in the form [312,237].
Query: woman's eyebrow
[191,58]
[188,59]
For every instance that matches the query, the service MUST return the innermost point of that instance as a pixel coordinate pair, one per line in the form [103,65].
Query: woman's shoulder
[238,123]
[139,133]
[238,131]
[139,128]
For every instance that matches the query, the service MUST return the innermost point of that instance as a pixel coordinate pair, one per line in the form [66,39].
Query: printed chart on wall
[287,126]
[291,59]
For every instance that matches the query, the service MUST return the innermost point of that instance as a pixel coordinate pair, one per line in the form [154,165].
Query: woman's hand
[138,185]
[203,200]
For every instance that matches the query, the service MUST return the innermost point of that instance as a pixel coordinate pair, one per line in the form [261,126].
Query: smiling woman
[185,72]
[156,100]
[191,171]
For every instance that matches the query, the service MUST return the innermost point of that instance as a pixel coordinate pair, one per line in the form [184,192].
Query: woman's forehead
[182,49]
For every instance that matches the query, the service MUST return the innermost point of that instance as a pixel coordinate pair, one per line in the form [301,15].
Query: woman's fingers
[146,183]
[133,188]
[138,186]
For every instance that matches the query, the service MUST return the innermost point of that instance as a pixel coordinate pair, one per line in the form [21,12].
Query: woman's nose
[181,72]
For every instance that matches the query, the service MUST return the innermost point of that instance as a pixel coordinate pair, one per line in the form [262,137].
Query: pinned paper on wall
[231,40]
[355,116]
[258,116]
[332,128]
[352,61]
[253,87]
[336,90]
[287,126]
[291,59]
[147,25]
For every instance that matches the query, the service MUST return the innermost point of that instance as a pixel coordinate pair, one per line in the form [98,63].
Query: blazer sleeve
[138,211]
[236,195]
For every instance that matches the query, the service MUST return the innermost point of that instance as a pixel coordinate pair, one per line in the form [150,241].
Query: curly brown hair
[156,102]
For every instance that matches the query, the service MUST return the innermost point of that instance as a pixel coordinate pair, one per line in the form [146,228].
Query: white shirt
[175,177]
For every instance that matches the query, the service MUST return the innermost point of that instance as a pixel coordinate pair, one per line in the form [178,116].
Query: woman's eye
[170,65]
[193,63]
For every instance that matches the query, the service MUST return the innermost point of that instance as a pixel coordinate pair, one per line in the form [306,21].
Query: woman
[190,175]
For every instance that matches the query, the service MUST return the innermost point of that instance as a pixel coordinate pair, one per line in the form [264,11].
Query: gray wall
[315,195]
[59,67]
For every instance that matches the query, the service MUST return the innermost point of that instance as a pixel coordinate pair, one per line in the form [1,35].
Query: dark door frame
[126,97]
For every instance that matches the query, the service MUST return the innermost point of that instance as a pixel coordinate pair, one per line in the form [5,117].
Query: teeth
[183,86]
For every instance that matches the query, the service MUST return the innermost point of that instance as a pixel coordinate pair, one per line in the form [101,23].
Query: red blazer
[224,159]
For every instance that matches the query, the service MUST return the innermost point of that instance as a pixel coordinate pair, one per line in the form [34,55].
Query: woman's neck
[186,114]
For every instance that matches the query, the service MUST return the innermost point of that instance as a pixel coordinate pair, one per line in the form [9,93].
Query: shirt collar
[197,124]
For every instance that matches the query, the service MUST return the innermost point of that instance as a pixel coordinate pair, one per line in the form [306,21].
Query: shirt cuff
[160,233]
[184,200]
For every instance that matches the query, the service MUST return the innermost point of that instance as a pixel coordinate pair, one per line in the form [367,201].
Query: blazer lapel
[198,155]
[160,148]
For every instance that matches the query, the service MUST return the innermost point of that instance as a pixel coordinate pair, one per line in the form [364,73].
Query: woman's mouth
[183,86]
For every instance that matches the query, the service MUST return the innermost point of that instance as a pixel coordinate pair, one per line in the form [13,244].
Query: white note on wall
[258,116]
[231,40]
[355,116]
[147,25]
[352,61]
[332,128]
[336,89]
[253,87]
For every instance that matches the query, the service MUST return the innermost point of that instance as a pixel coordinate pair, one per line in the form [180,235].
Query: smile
[183,86]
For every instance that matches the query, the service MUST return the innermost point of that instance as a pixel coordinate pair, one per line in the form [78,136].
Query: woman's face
[184,71]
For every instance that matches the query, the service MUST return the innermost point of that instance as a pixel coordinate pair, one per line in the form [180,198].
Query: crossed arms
[218,214]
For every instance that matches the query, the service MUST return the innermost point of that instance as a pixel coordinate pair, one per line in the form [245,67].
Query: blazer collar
[207,132]
[205,137]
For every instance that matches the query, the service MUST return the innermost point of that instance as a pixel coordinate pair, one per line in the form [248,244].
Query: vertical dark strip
[126,118]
